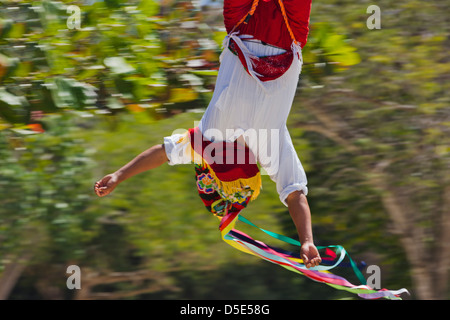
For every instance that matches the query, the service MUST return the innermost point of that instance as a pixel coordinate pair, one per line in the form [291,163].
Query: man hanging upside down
[255,88]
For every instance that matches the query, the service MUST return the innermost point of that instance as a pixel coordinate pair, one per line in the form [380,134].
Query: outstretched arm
[147,160]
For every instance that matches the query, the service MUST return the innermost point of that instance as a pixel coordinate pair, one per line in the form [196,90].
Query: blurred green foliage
[125,56]
[370,124]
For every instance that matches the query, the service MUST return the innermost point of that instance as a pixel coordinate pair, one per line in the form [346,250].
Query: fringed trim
[231,187]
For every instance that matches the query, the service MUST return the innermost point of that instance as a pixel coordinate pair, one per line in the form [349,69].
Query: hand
[106,185]
[310,255]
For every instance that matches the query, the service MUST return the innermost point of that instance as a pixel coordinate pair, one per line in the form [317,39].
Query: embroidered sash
[232,165]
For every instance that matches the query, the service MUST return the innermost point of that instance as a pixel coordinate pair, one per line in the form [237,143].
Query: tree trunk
[11,275]
[408,235]
[429,283]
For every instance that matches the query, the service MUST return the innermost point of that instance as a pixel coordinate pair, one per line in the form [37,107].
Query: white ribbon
[297,50]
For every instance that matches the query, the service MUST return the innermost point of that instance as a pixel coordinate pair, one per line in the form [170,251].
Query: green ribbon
[339,249]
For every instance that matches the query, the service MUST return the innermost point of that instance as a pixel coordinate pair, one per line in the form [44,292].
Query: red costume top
[267,24]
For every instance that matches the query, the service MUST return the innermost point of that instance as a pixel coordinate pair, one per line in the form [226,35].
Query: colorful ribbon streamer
[226,189]
[292,262]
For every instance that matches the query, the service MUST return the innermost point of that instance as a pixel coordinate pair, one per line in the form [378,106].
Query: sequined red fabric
[267,68]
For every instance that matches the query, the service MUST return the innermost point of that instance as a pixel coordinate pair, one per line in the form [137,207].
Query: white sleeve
[177,147]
